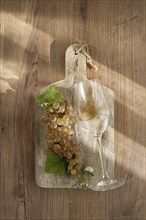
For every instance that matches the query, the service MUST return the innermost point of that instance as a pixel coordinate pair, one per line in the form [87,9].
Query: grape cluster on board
[59,120]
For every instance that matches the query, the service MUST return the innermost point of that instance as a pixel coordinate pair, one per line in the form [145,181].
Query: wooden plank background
[33,38]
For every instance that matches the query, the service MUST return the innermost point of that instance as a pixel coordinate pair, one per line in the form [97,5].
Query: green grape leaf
[56,164]
[50,96]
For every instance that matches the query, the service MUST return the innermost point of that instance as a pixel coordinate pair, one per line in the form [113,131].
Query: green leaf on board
[50,96]
[56,164]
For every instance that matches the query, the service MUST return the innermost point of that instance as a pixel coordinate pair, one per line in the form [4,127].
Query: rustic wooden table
[33,38]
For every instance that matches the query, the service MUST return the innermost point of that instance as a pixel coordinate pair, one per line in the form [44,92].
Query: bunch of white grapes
[60,120]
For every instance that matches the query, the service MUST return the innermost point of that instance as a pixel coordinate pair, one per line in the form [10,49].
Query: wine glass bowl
[93,113]
[91,108]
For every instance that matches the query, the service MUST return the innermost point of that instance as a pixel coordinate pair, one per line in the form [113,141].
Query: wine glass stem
[102,159]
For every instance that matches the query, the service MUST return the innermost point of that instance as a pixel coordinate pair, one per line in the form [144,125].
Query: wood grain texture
[116,33]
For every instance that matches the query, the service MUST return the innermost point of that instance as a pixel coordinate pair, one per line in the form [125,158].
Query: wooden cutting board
[75,70]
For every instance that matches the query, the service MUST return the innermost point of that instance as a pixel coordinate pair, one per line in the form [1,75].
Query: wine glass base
[109,185]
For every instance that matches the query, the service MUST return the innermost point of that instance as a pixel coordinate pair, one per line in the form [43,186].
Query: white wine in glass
[94,115]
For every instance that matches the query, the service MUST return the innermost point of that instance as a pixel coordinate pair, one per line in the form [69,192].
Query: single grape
[50,109]
[68,137]
[61,109]
[53,125]
[69,155]
[77,167]
[57,139]
[71,120]
[64,129]
[66,117]
[72,162]
[73,172]
[72,142]
[67,144]
[56,105]
[67,112]
[65,122]
[69,167]
[56,133]
[60,134]
[69,126]
[64,135]
[57,146]
[48,123]
[60,121]
[63,141]
[58,129]
[53,118]
[50,135]
[70,131]
[78,159]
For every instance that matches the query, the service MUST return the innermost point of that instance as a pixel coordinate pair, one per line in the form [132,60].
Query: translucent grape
[70,131]
[77,167]
[73,171]
[67,144]
[69,126]
[69,155]
[61,109]
[56,105]
[66,117]
[64,129]
[70,167]
[59,129]
[57,146]
[67,112]
[50,109]
[72,162]
[57,139]
[53,125]
[78,159]
[53,118]
[65,122]
[60,121]
[71,120]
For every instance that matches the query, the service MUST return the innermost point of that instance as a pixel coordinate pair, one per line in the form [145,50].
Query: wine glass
[94,115]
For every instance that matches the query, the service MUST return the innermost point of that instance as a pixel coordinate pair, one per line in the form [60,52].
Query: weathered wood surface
[34,36]
[75,71]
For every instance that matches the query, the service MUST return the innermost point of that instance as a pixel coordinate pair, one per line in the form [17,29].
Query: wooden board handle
[75,65]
